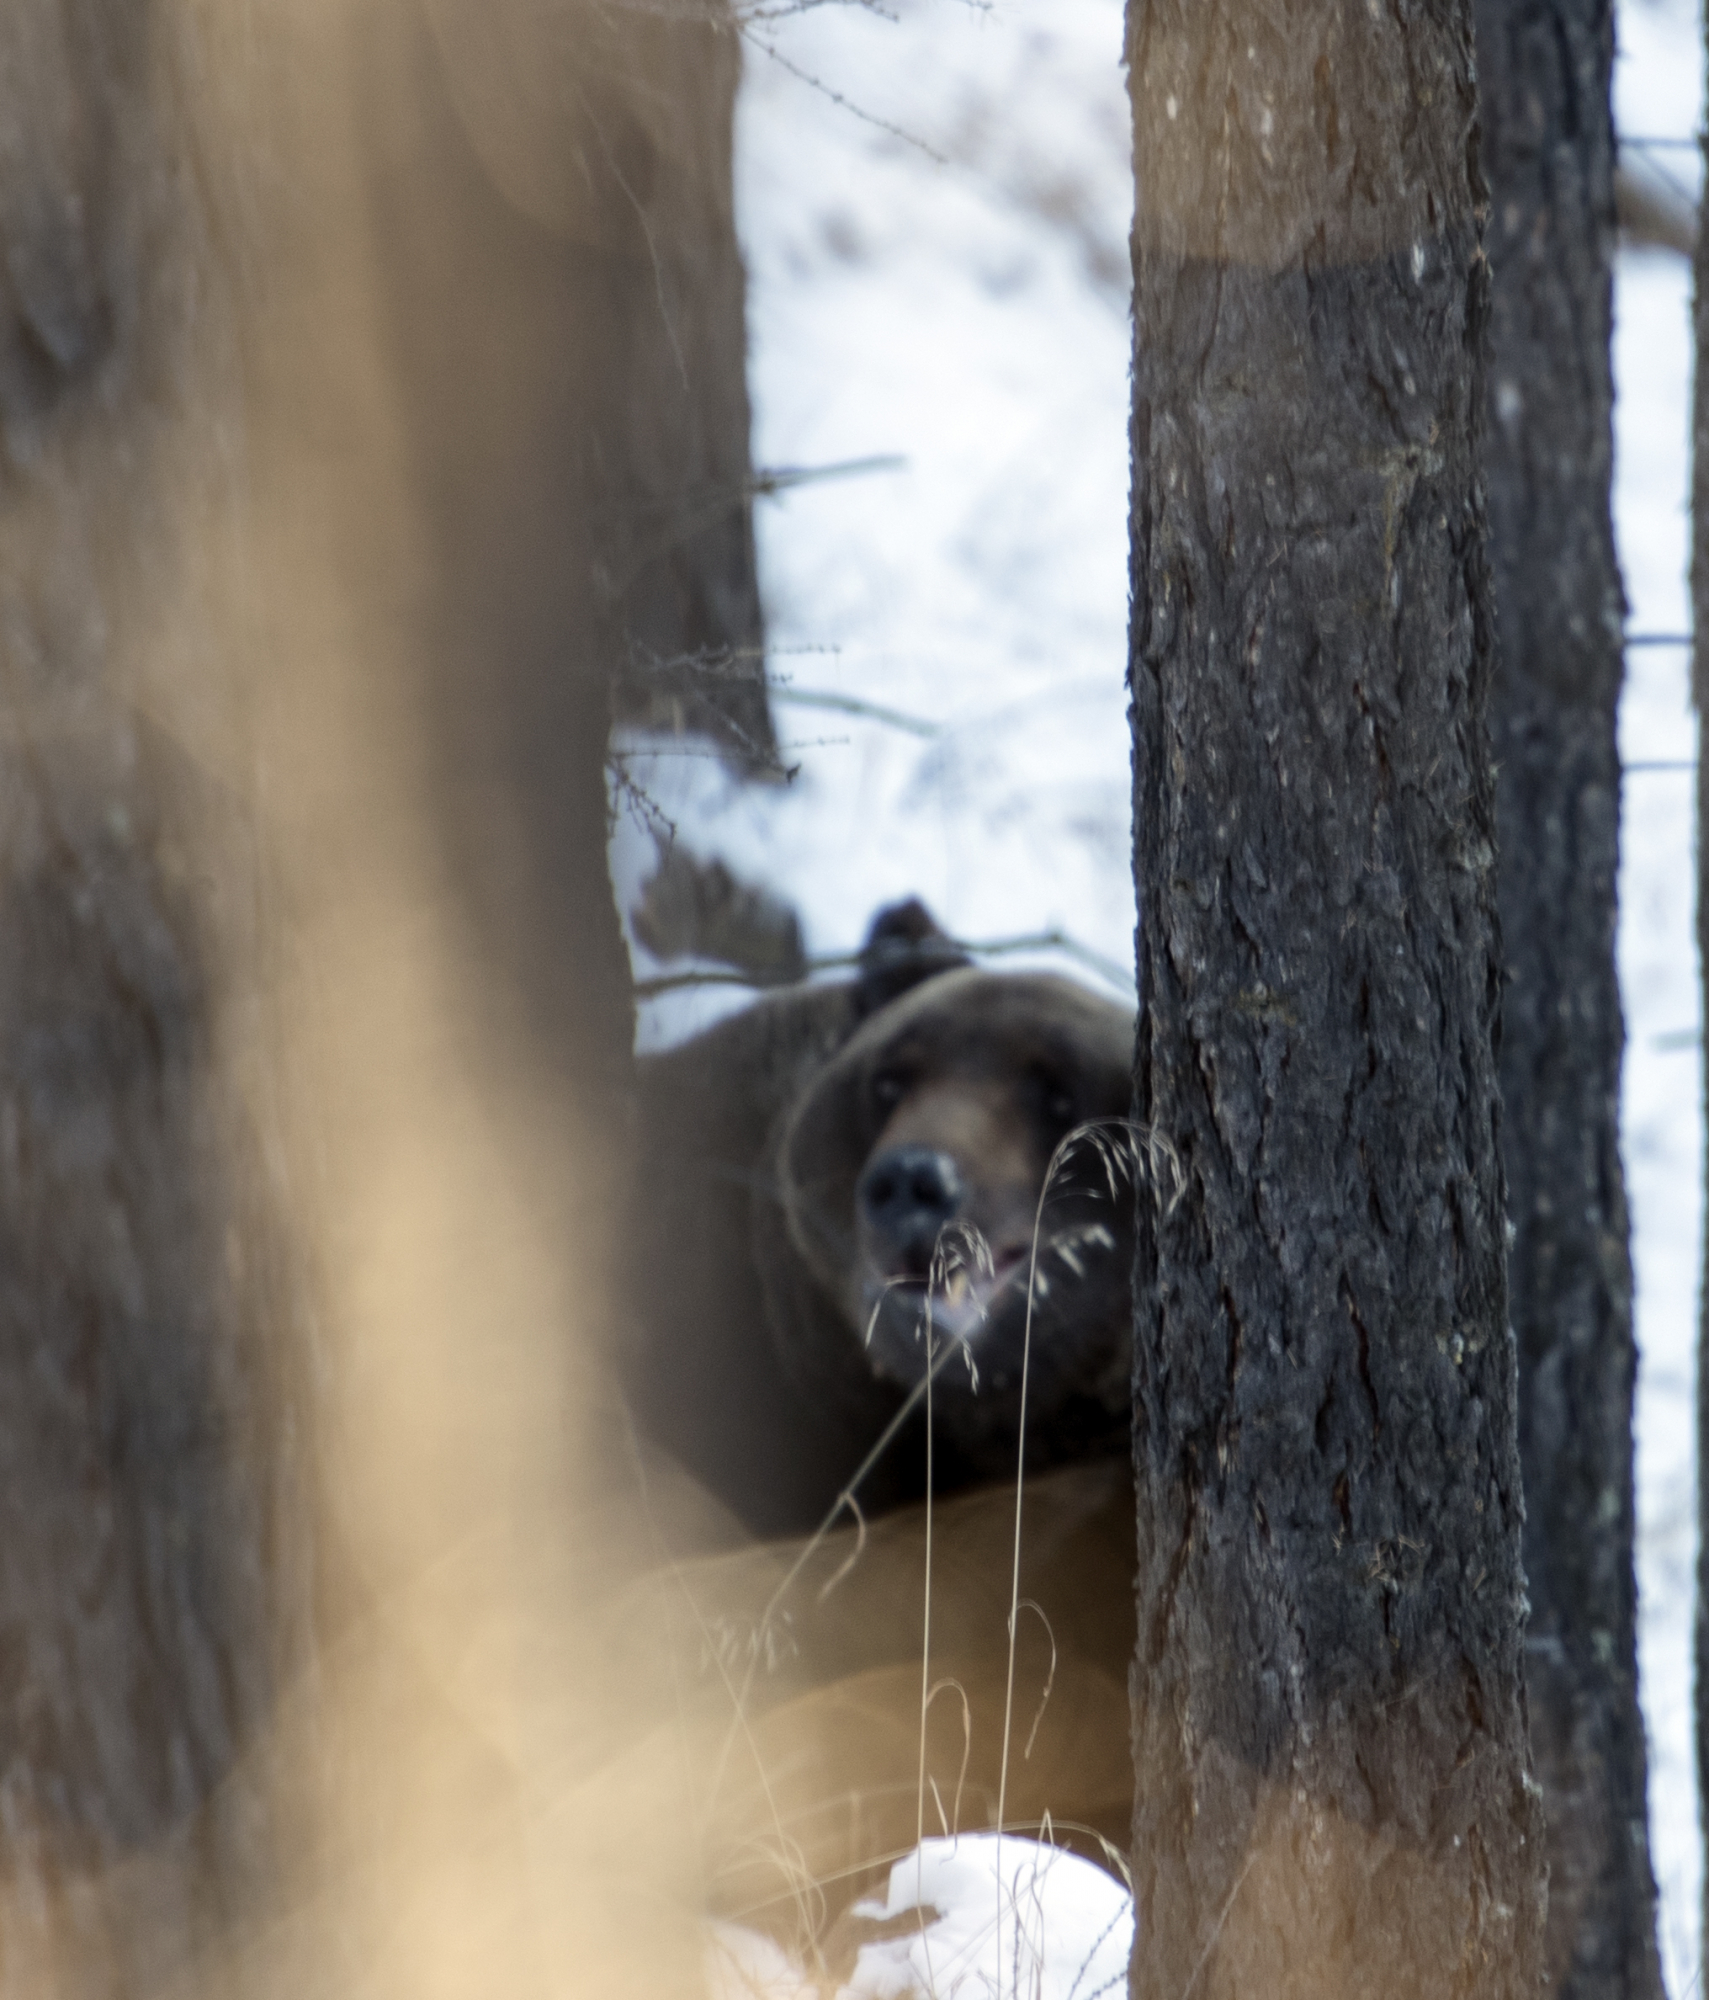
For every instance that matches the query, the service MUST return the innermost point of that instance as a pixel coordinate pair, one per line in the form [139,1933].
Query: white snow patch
[975,1918]
[1661,1087]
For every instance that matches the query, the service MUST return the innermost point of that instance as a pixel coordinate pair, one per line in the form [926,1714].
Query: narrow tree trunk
[1700,695]
[1544,72]
[1333,1785]
[496,356]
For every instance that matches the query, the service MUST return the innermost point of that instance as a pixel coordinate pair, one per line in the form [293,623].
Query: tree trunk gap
[1333,1783]
[1544,79]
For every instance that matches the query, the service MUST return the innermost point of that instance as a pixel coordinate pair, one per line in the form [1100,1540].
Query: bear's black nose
[906,1196]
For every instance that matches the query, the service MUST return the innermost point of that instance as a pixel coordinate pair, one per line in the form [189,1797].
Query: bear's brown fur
[803,1165]
[799,1165]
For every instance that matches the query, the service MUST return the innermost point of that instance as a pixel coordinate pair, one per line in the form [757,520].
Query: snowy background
[933,200]
[1658,84]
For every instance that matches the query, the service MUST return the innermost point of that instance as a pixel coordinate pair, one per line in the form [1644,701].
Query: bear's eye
[888,1089]
[1057,1100]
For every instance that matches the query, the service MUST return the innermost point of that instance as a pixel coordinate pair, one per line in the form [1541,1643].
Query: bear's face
[927,1187]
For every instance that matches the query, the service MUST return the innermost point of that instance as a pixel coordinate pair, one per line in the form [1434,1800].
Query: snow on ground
[961,1920]
[934,201]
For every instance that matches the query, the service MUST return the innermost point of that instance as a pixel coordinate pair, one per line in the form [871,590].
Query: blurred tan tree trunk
[370,401]
[155,1564]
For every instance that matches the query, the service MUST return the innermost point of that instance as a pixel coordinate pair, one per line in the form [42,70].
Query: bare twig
[843,103]
[782,10]
[770,479]
[1050,940]
[852,704]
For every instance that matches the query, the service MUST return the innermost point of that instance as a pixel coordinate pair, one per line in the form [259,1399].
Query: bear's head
[931,1197]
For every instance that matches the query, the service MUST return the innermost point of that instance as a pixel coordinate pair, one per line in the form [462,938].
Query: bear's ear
[903,947]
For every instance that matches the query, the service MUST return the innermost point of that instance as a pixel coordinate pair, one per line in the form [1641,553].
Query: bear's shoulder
[716,1095]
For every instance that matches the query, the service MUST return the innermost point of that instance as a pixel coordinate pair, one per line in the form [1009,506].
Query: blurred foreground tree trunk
[371,400]
[155,1498]
[1333,1784]
[1544,77]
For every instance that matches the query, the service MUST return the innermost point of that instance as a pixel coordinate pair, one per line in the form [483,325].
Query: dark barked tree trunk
[1544,70]
[1333,1785]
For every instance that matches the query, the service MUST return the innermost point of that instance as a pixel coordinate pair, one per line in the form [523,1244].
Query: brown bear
[845,1181]
[838,1186]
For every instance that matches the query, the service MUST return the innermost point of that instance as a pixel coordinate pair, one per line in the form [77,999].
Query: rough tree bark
[1544,73]
[1333,1788]
[322,431]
